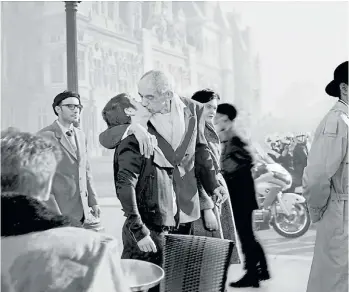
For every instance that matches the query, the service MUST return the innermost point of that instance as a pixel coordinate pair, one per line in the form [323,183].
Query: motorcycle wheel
[278,226]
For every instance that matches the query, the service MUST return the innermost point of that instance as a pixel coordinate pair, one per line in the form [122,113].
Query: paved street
[275,244]
[289,259]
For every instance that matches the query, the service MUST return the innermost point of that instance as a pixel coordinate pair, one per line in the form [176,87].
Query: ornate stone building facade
[199,44]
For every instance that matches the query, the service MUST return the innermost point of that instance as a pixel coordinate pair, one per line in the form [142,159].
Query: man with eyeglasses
[72,189]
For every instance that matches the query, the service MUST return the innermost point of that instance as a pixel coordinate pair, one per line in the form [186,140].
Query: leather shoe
[248,280]
[263,274]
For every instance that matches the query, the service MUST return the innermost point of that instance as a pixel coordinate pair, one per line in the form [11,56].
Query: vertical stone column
[71,8]
[147,50]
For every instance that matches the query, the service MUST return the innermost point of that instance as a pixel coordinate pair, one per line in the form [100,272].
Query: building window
[81,66]
[95,7]
[57,68]
[111,8]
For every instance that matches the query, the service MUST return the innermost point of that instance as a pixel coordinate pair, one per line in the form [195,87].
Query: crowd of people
[291,152]
[180,167]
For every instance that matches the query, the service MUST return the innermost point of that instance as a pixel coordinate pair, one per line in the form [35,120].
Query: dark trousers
[252,249]
[184,229]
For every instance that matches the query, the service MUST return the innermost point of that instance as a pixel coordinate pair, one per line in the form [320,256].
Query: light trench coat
[325,184]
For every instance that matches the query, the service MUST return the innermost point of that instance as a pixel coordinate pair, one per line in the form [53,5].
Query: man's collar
[179,101]
[64,129]
[342,106]
[343,102]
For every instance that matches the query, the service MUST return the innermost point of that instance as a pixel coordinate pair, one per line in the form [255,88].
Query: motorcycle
[286,212]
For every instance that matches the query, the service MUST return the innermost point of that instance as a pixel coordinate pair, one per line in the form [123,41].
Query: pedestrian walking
[325,184]
[236,163]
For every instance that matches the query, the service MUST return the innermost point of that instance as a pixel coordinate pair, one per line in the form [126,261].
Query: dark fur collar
[22,215]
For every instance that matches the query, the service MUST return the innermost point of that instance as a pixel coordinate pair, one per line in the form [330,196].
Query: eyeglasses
[73,106]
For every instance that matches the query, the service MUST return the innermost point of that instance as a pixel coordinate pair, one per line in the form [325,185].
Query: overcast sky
[299,43]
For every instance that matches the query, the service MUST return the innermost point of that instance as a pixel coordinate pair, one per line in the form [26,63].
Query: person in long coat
[223,212]
[325,185]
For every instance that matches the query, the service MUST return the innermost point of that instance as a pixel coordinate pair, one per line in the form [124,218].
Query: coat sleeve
[204,166]
[326,154]
[129,167]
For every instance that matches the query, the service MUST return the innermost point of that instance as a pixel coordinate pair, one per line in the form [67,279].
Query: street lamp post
[71,8]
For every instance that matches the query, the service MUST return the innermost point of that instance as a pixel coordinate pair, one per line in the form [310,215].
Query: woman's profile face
[210,109]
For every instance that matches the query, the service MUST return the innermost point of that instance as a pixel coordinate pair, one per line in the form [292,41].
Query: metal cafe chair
[195,263]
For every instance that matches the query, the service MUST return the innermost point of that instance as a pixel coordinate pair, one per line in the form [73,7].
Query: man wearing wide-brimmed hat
[325,184]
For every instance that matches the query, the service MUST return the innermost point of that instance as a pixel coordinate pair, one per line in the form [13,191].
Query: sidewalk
[289,274]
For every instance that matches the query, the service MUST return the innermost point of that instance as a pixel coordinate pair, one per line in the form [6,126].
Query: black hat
[340,76]
[62,96]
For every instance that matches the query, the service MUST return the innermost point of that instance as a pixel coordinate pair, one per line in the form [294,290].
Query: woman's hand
[210,220]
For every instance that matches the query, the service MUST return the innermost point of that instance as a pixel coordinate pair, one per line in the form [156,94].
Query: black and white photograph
[174,146]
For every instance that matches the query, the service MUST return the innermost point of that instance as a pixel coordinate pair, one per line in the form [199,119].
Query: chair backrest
[195,263]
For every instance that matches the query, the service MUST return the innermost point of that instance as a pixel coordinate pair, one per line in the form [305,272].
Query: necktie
[71,139]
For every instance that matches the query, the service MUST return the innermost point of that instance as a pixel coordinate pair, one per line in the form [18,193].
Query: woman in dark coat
[216,220]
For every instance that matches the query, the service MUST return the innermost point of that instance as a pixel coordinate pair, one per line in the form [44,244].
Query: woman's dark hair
[114,111]
[205,95]
[228,110]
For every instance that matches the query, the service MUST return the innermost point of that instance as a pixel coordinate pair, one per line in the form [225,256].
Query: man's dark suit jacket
[192,158]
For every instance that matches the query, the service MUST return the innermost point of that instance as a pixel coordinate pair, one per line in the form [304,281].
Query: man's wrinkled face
[152,100]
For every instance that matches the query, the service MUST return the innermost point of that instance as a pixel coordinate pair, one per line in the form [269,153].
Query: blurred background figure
[236,163]
[300,156]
